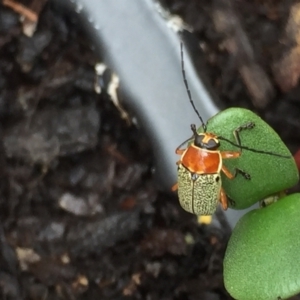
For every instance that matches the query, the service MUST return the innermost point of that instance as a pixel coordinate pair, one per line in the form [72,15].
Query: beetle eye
[212,144]
[198,140]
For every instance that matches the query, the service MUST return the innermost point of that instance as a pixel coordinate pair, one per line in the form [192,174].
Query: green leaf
[262,260]
[269,174]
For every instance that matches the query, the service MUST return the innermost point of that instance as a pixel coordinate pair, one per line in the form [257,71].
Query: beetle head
[205,140]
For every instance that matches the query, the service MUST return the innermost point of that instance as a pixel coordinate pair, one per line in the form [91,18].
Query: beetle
[199,181]
[199,168]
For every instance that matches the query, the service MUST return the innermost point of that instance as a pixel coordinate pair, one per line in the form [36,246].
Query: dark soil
[80,215]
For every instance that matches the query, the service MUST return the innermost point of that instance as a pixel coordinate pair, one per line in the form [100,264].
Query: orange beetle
[199,182]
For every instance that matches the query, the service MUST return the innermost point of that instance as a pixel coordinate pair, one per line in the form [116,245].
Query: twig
[22,10]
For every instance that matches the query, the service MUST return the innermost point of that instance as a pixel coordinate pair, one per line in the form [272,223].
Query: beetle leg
[243,173]
[236,171]
[179,151]
[231,202]
[223,199]
[230,154]
[227,172]
[178,162]
[174,187]
[237,131]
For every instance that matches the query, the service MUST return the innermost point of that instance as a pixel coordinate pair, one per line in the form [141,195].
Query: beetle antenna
[253,150]
[194,129]
[186,141]
[187,87]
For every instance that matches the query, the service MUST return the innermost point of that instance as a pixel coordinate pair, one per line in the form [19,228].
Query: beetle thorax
[201,161]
